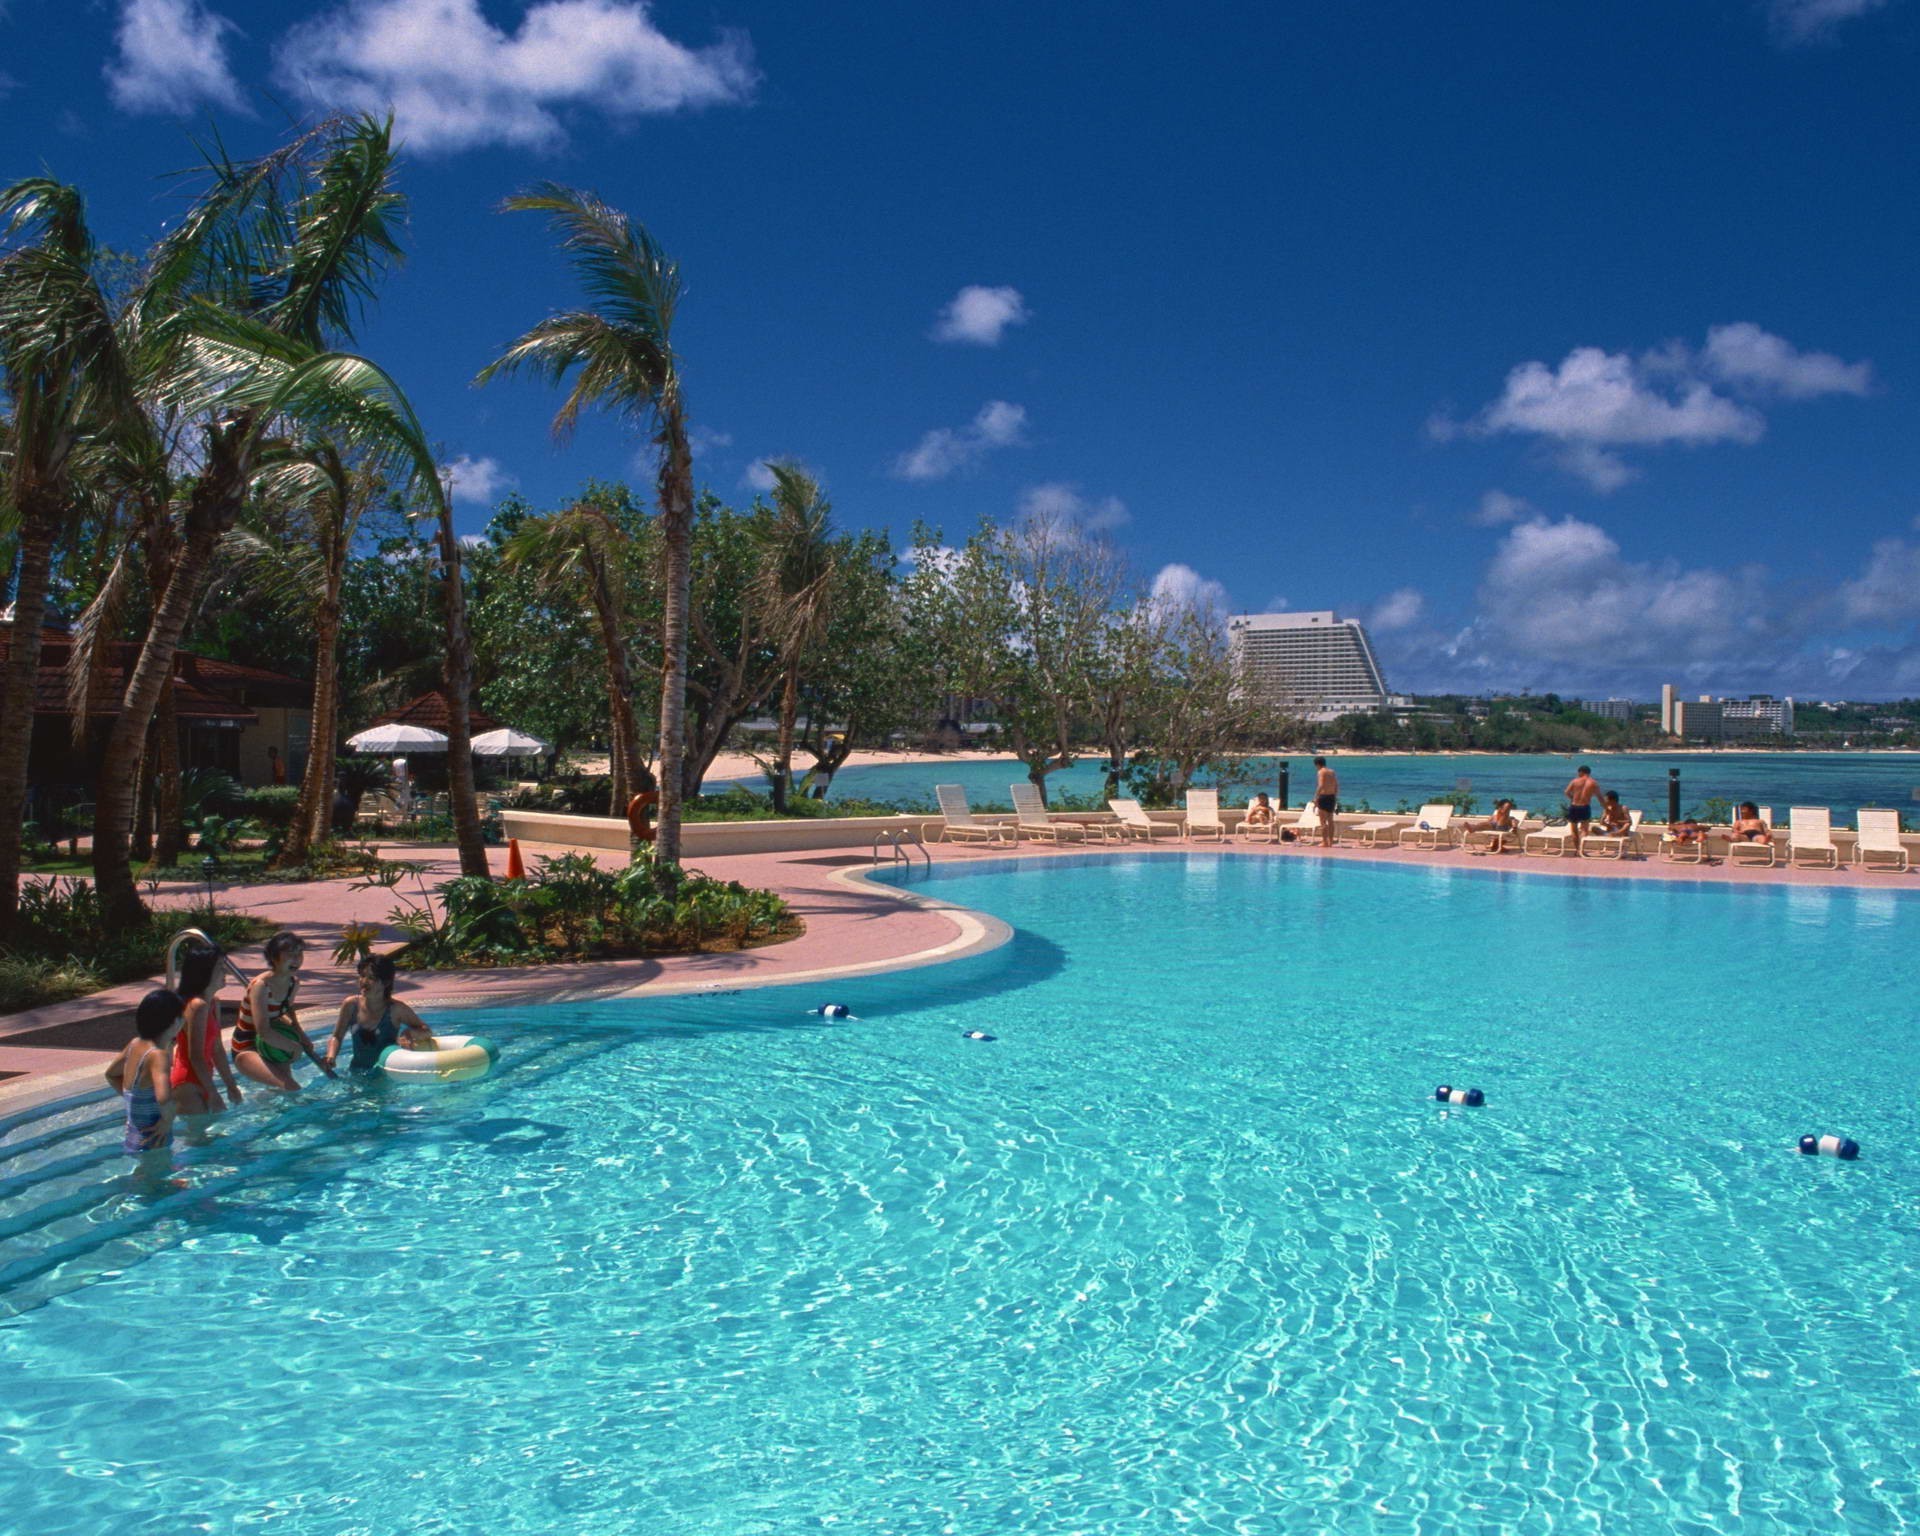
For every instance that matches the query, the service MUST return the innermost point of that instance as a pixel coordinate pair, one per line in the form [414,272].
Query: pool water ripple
[1188,1246]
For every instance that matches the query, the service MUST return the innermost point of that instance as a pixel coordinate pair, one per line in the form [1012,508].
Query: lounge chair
[1203,815]
[1270,833]
[1879,846]
[958,823]
[1755,853]
[1305,824]
[1553,841]
[1493,840]
[1135,822]
[1368,834]
[1676,852]
[1031,818]
[1810,838]
[1611,845]
[1432,828]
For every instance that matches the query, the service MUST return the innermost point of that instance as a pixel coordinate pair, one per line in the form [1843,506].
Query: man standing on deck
[1326,795]
[1581,791]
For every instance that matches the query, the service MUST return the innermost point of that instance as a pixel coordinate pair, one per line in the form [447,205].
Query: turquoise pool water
[1187,1247]
[1841,781]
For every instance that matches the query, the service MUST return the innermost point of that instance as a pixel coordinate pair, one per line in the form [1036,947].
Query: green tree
[65,380]
[799,586]
[620,356]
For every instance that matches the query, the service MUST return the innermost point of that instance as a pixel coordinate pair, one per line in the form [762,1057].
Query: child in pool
[375,1020]
[142,1077]
[269,1036]
[198,1055]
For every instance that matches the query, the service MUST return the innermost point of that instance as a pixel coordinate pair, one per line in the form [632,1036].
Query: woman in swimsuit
[269,1035]
[141,1077]
[198,1054]
[1748,827]
[1259,815]
[375,1020]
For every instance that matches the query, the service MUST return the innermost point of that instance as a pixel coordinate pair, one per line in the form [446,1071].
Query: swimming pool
[1187,1246]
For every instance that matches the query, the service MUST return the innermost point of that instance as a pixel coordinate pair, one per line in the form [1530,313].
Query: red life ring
[640,814]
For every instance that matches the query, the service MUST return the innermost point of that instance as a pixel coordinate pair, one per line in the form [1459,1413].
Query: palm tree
[459,695]
[800,584]
[621,356]
[241,303]
[332,493]
[64,379]
[580,553]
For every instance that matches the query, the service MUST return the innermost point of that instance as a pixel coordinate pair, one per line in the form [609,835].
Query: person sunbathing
[1689,832]
[1503,819]
[1615,819]
[1748,827]
[1259,815]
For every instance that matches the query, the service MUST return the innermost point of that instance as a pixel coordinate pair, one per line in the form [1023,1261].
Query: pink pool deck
[852,927]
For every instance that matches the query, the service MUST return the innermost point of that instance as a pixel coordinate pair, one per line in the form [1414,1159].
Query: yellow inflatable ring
[454,1059]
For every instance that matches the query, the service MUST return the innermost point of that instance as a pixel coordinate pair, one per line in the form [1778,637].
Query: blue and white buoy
[832,1011]
[1843,1147]
[1473,1098]
[976,1034]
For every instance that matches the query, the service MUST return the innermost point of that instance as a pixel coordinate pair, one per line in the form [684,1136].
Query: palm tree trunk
[313,816]
[616,760]
[141,841]
[163,757]
[627,758]
[16,699]
[466,815]
[783,749]
[120,767]
[676,527]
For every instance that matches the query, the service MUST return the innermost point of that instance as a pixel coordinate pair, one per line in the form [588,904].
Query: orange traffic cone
[515,869]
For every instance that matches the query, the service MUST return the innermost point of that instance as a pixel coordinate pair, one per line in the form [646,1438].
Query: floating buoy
[1843,1147]
[1473,1098]
[832,1011]
[452,1059]
[976,1034]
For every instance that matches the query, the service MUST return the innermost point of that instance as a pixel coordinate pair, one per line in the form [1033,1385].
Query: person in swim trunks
[1615,819]
[1326,798]
[268,1036]
[1581,791]
[198,1053]
[374,1020]
[140,1076]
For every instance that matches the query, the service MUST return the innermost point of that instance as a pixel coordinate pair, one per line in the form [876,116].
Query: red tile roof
[203,689]
[429,710]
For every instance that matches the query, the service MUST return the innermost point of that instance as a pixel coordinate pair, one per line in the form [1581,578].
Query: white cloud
[944,450]
[759,476]
[455,80]
[705,439]
[1596,403]
[1888,589]
[1561,594]
[1805,21]
[1497,508]
[171,57]
[1062,505]
[1400,609]
[1746,357]
[980,315]
[1177,587]
[471,479]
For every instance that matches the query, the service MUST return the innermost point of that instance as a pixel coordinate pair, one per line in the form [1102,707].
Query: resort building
[1757,717]
[1314,663]
[1611,709]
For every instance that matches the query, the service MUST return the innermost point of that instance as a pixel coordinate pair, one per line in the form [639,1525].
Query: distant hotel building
[1754,718]
[1314,663]
[1611,709]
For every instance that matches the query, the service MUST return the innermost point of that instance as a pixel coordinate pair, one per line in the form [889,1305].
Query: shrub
[273,805]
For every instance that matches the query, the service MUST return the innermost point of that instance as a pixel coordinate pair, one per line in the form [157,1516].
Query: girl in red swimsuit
[197,1051]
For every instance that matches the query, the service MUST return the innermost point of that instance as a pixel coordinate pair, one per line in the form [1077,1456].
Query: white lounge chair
[1031,817]
[1432,828]
[1270,833]
[1203,815]
[1137,823]
[1484,840]
[1879,846]
[1878,841]
[1611,845]
[1810,838]
[1380,833]
[1755,853]
[958,823]
[1305,824]
[1676,852]
[1553,841]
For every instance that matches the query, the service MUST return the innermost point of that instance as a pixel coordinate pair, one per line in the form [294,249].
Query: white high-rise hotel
[1312,662]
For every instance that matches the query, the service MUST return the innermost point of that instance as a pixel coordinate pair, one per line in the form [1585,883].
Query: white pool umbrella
[507,742]
[397,740]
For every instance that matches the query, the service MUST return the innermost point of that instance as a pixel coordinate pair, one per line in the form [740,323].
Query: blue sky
[1572,346]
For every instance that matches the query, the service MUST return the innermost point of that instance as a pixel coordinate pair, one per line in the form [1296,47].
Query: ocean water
[1187,1246]
[1841,781]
